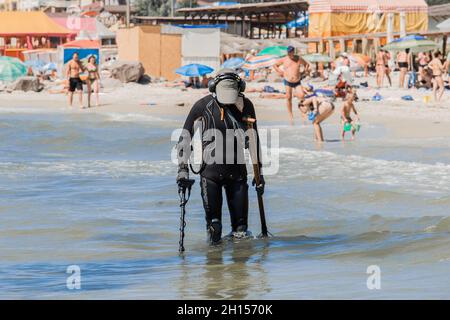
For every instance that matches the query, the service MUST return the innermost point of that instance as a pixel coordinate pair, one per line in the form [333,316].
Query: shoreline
[403,119]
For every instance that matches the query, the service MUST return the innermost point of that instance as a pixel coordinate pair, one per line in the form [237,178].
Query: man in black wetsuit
[224,133]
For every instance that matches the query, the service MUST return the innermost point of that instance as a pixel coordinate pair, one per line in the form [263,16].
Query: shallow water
[98,191]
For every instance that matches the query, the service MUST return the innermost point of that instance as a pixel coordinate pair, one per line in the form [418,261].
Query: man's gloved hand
[183,175]
[260,187]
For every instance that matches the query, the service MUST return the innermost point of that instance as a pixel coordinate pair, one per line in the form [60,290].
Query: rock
[145,79]
[127,71]
[26,84]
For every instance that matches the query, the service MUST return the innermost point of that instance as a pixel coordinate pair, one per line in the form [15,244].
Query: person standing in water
[224,129]
[347,108]
[93,80]
[74,68]
[292,77]
[319,110]
[438,81]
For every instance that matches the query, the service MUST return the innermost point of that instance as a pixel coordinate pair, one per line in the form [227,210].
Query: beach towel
[408,98]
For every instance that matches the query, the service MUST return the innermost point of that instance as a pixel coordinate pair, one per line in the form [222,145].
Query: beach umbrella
[233,63]
[11,69]
[414,43]
[316,57]
[49,67]
[278,51]
[259,62]
[194,70]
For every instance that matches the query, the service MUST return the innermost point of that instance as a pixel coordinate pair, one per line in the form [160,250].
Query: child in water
[347,108]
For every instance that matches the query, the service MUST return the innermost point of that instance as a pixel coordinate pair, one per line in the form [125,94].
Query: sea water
[98,192]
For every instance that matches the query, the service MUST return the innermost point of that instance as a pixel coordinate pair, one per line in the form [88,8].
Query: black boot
[215,231]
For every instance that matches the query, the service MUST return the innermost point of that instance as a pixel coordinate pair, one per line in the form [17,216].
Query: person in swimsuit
[292,77]
[387,69]
[321,109]
[403,58]
[423,61]
[74,68]
[380,67]
[438,81]
[93,80]
[347,108]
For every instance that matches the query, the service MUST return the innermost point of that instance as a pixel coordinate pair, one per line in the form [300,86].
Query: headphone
[212,84]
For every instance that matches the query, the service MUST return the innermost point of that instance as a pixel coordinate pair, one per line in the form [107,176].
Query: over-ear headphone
[212,84]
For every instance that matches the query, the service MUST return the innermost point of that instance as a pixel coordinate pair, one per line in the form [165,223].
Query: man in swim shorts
[292,75]
[74,68]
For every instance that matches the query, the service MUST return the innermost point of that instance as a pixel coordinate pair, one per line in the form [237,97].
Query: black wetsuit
[228,171]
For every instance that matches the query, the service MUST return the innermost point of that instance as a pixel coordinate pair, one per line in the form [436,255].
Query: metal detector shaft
[182,188]
[257,174]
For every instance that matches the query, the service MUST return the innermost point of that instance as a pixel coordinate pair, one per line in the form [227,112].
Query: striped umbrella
[279,51]
[11,69]
[259,62]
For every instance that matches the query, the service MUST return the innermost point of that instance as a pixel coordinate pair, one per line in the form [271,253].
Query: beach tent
[344,17]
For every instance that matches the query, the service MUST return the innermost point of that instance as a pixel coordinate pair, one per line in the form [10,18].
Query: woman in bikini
[380,68]
[438,81]
[93,79]
[320,108]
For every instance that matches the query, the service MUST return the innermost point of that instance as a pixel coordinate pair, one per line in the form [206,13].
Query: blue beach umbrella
[49,67]
[194,70]
[233,63]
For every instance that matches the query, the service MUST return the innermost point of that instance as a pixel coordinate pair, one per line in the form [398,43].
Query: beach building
[87,28]
[163,48]
[252,20]
[328,18]
[157,50]
[21,31]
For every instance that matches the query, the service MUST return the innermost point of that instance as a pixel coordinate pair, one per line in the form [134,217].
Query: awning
[32,23]
[89,44]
